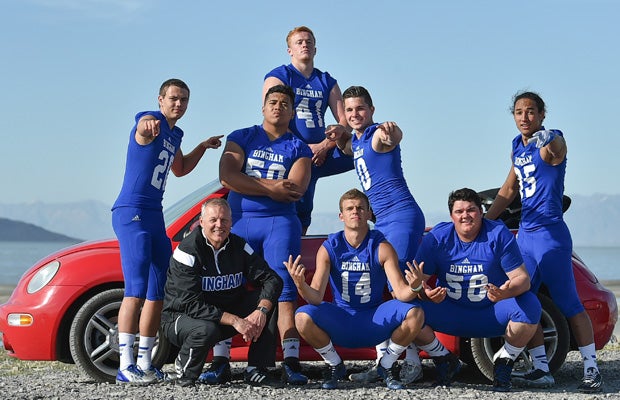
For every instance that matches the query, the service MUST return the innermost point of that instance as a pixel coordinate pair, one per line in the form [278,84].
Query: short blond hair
[298,29]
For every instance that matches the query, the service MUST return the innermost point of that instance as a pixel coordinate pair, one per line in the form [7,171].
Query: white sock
[435,348]
[290,348]
[539,358]
[125,349]
[145,348]
[412,355]
[510,351]
[588,353]
[222,348]
[381,348]
[329,354]
[392,353]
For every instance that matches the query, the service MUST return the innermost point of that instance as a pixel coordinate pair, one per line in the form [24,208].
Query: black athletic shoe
[447,367]
[592,381]
[501,374]
[335,373]
[390,376]
[291,372]
[534,379]
[257,377]
[184,382]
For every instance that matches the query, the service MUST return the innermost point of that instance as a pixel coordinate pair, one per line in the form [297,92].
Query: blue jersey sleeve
[511,258]
[280,73]
[426,253]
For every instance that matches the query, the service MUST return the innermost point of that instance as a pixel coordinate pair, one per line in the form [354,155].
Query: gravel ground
[53,380]
[29,380]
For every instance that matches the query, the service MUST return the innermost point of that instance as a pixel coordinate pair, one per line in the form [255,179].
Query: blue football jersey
[311,100]
[357,278]
[269,160]
[465,268]
[381,175]
[541,185]
[147,167]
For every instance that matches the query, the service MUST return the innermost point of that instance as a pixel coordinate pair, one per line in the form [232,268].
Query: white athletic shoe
[410,372]
[132,375]
[156,374]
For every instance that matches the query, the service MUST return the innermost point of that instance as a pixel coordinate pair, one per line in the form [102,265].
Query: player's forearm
[309,294]
[504,197]
[344,144]
[190,160]
[241,183]
[519,285]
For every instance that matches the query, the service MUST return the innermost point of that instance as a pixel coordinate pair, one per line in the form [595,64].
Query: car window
[172,213]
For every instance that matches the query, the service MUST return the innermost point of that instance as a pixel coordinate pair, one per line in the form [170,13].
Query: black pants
[196,337]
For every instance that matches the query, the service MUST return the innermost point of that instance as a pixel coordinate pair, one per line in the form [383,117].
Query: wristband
[417,290]
[262,309]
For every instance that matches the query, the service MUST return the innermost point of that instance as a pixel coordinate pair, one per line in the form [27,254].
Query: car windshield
[177,209]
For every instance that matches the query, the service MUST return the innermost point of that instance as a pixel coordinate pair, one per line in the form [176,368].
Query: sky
[77,71]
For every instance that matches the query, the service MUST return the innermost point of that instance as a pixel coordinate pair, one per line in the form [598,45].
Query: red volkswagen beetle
[65,307]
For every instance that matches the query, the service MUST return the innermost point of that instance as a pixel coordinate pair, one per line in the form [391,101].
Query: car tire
[557,341]
[93,338]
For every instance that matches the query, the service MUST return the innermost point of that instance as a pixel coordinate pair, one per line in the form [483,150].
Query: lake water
[17,257]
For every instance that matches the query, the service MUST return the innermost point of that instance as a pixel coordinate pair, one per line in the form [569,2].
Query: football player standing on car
[358,262]
[482,288]
[154,149]
[267,170]
[315,91]
[537,175]
[377,157]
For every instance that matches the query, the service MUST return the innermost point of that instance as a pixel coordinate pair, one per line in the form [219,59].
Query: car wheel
[556,336]
[93,338]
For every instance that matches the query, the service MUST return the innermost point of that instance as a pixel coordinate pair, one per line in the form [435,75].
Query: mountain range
[16,231]
[594,220]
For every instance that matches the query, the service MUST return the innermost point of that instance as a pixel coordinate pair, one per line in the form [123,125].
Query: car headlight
[43,276]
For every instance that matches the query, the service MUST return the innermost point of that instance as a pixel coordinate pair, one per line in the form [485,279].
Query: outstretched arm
[387,136]
[147,130]
[551,144]
[184,164]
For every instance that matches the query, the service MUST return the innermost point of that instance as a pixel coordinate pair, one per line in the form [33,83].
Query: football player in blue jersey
[267,169]
[377,154]
[358,262]
[482,288]
[537,176]
[154,149]
[315,91]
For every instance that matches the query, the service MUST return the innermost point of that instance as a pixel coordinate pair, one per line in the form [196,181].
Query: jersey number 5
[475,288]
[253,168]
[527,183]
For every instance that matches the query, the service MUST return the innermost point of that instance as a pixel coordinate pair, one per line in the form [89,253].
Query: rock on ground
[51,380]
